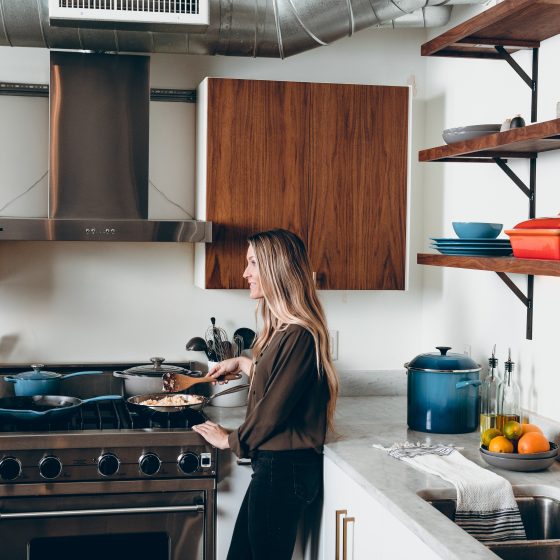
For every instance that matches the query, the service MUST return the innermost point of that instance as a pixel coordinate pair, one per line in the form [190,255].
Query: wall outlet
[333,344]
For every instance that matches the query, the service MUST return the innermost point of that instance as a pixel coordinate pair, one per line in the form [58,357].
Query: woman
[291,402]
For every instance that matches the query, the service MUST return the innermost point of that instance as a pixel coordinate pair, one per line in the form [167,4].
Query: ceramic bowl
[522,463]
[477,230]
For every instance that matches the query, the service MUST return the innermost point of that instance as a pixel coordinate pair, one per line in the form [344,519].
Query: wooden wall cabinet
[327,161]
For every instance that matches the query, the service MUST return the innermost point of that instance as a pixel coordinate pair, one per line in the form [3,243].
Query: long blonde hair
[290,297]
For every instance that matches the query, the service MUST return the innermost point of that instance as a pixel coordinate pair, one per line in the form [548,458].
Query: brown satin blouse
[287,406]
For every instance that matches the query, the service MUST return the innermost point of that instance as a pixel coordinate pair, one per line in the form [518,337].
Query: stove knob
[188,462]
[149,463]
[50,467]
[10,468]
[108,464]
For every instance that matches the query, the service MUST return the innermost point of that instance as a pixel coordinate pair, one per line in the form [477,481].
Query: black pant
[282,485]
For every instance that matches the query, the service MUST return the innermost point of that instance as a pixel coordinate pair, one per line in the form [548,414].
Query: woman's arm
[233,365]
[214,433]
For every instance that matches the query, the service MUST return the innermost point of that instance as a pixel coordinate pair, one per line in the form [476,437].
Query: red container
[535,243]
[540,223]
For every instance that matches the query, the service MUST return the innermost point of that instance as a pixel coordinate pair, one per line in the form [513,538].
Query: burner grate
[110,415]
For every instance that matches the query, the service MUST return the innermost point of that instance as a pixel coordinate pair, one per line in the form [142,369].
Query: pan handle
[103,398]
[75,374]
[228,391]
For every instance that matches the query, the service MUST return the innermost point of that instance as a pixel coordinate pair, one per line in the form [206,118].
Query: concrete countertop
[364,421]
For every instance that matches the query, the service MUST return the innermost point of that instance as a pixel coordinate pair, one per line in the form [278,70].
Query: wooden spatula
[175,382]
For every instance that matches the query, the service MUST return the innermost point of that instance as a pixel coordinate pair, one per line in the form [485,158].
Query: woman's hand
[213,433]
[233,365]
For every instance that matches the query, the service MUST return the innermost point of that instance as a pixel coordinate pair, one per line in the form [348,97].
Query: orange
[513,430]
[530,428]
[532,442]
[500,444]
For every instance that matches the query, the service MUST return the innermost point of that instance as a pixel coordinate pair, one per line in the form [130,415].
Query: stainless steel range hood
[99,134]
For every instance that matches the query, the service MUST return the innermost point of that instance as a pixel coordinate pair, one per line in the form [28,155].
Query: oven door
[174,524]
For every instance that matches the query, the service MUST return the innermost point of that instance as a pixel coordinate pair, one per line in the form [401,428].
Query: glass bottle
[509,400]
[489,392]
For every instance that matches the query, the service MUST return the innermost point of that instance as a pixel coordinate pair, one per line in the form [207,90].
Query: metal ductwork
[256,28]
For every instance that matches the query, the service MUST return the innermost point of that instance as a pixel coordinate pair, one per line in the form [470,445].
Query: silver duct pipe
[258,28]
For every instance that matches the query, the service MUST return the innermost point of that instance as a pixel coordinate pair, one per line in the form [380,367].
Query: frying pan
[164,413]
[48,408]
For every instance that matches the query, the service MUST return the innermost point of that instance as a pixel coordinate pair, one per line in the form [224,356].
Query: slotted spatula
[175,382]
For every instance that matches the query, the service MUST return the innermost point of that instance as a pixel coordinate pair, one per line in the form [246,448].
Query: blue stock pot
[443,395]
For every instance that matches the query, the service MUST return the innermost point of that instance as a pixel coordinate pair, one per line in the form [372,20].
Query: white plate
[462,133]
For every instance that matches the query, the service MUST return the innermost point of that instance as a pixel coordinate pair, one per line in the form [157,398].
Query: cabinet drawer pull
[345,522]
[339,514]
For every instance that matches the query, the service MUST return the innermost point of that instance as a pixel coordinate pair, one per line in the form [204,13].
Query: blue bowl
[477,230]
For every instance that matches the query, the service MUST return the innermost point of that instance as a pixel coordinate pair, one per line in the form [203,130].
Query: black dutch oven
[443,395]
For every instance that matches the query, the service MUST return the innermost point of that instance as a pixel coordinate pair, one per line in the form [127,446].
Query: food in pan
[172,400]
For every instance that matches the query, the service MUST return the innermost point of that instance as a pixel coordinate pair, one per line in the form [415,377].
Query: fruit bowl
[518,462]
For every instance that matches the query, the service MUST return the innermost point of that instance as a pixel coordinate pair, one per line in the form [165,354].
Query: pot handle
[120,374]
[474,382]
[10,379]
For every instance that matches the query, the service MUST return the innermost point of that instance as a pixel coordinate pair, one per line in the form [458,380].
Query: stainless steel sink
[541,518]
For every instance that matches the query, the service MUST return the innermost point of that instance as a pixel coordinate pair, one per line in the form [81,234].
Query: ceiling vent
[142,15]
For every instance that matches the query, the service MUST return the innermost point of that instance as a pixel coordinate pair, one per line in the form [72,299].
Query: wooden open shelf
[513,24]
[524,142]
[536,267]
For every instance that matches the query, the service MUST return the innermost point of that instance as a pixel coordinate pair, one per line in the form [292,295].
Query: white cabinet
[365,528]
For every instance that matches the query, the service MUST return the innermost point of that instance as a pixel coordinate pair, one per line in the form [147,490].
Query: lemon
[513,430]
[488,435]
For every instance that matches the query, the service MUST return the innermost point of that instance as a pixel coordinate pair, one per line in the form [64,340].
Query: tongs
[176,382]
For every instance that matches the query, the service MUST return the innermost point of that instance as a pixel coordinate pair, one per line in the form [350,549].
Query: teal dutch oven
[41,382]
[443,393]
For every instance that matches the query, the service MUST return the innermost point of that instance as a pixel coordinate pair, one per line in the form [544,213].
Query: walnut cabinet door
[327,161]
[255,167]
[358,153]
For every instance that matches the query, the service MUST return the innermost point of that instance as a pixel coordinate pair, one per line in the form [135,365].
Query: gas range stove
[106,483]
[103,441]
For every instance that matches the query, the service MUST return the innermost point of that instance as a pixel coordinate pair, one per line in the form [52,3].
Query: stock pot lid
[443,362]
[37,374]
[156,368]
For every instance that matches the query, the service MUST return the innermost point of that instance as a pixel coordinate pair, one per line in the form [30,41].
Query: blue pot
[443,395]
[40,382]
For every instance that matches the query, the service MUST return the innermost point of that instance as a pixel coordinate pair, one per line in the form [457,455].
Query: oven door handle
[89,512]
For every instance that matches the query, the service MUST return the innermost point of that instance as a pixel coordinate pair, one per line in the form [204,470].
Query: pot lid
[443,362]
[38,373]
[156,368]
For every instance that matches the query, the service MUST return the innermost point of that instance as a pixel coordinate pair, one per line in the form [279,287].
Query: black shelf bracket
[529,191]
[526,300]
[531,81]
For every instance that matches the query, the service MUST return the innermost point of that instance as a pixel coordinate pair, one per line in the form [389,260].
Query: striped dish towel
[486,507]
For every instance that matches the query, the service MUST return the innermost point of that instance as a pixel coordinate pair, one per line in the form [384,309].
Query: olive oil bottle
[489,391]
[509,397]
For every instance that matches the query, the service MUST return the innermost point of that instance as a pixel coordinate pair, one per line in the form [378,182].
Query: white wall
[471,308]
[64,302]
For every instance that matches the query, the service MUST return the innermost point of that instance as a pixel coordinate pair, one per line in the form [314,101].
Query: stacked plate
[475,246]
